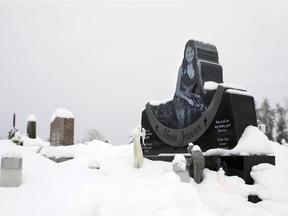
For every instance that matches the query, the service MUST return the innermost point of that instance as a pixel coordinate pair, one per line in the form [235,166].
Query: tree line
[275,119]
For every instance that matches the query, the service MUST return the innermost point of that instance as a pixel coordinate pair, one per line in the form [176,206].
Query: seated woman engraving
[187,105]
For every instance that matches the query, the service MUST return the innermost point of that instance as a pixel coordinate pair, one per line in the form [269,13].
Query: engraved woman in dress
[188,105]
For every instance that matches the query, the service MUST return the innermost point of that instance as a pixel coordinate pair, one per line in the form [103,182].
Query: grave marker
[62,128]
[31,126]
[11,171]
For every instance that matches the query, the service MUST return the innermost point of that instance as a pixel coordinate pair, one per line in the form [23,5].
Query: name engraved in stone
[169,136]
[187,136]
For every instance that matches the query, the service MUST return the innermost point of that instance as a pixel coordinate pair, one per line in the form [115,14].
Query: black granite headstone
[228,112]
[31,129]
[219,127]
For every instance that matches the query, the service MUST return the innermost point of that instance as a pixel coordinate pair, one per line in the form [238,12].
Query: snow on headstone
[31,118]
[253,142]
[179,165]
[61,113]
[239,92]
[210,85]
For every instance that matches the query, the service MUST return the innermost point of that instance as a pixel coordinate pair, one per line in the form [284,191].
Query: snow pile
[179,163]
[90,149]
[94,164]
[31,118]
[233,86]
[61,113]
[210,85]
[252,142]
[117,188]
[33,142]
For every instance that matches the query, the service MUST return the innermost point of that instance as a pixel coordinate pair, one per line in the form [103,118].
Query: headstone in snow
[62,128]
[11,171]
[229,110]
[196,164]
[31,126]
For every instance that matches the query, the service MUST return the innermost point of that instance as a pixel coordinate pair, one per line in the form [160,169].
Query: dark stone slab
[240,166]
[207,52]
[211,71]
[31,129]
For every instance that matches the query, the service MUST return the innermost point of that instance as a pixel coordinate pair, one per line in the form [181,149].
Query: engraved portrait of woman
[187,105]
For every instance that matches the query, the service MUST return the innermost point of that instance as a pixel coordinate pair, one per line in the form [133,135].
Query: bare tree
[266,115]
[93,134]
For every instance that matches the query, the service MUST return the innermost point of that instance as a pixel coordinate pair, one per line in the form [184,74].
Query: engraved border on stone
[179,134]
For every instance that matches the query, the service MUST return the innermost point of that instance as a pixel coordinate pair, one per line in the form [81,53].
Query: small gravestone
[196,164]
[31,126]
[11,171]
[62,128]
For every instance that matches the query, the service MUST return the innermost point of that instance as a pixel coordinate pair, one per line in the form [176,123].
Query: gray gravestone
[62,131]
[196,164]
[11,172]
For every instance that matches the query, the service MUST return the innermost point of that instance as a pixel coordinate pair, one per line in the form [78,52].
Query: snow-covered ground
[76,188]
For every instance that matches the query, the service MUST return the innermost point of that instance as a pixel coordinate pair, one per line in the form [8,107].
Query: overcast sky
[103,61]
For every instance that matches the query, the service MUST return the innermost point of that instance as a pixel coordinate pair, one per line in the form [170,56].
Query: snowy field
[76,188]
